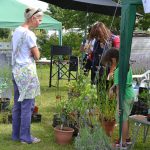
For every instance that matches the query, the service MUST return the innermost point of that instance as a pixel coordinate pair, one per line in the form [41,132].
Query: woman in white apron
[25,80]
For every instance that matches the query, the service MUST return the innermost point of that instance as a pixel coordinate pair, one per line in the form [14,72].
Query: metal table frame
[139,120]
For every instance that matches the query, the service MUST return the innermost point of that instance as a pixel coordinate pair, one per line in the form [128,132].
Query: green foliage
[108,109]
[94,139]
[79,19]
[44,130]
[46,46]
[69,39]
[74,41]
[5,78]
[4,117]
[5,34]
[145,96]
[80,84]
[106,105]
[80,107]
[144,22]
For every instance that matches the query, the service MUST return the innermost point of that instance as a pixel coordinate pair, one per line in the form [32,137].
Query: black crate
[35,118]
[73,63]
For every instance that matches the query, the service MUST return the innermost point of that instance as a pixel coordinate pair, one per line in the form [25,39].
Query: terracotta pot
[63,136]
[108,126]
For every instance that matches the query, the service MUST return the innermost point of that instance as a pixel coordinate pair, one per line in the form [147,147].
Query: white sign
[146,5]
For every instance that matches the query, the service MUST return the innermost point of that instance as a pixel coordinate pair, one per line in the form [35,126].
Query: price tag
[146,5]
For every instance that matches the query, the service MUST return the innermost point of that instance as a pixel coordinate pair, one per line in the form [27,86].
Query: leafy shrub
[94,139]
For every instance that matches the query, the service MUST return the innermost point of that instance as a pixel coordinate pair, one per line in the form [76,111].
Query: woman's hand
[118,110]
[110,76]
[112,93]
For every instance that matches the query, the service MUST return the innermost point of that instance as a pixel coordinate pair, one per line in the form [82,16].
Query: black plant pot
[56,120]
[36,118]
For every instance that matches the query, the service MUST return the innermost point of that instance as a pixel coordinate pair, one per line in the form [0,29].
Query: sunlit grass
[47,107]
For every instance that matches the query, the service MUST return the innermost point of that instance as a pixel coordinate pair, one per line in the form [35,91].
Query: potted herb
[107,106]
[107,115]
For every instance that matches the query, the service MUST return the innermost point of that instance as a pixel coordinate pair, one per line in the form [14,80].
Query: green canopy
[12,15]
[128,15]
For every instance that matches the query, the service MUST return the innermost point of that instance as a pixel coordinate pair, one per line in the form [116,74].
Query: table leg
[135,133]
[145,133]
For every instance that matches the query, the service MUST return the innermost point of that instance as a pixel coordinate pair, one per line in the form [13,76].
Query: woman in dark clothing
[103,42]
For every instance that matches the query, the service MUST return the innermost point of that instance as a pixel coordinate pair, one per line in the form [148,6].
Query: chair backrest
[60,50]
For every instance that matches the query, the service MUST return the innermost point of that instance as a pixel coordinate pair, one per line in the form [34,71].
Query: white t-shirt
[25,55]
[89,45]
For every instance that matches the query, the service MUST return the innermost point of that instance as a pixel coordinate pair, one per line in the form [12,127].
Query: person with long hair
[25,79]
[102,35]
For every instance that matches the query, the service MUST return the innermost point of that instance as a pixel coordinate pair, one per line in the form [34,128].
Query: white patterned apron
[25,75]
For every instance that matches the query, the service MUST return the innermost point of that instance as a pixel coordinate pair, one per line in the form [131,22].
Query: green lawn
[44,130]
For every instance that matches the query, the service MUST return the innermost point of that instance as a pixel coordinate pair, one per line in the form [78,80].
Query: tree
[5,33]
[79,19]
[144,21]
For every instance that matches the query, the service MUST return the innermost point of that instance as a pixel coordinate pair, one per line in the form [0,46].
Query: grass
[44,130]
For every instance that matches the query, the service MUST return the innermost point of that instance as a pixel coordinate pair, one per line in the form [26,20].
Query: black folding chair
[63,66]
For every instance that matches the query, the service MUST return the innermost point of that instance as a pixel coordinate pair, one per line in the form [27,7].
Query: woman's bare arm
[35,52]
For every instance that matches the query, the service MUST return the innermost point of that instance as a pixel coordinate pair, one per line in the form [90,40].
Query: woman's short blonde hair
[29,12]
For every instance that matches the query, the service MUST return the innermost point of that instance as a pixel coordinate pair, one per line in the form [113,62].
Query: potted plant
[75,88]
[107,115]
[107,106]
[63,132]
[79,109]
[82,108]
[63,135]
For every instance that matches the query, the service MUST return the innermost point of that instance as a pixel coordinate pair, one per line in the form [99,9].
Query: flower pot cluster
[86,106]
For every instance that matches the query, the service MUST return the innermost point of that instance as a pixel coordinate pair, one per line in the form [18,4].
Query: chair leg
[50,80]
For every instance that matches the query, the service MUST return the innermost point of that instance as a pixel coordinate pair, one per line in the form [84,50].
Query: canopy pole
[128,15]
[60,37]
